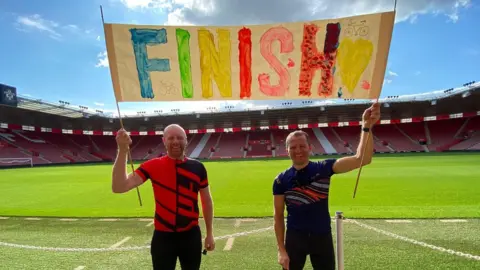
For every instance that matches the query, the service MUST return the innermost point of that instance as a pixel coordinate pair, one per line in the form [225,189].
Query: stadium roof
[66,109]
[456,104]
[62,108]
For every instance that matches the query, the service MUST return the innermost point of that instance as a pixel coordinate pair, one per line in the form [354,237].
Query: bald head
[174,128]
[175,141]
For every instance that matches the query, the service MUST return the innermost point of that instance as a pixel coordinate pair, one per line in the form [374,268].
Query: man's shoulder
[324,165]
[280,183]
[155,160]
[283,175]
[194,165]
[325,162]
[195,162]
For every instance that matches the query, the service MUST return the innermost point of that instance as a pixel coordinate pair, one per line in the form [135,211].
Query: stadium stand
[56,133]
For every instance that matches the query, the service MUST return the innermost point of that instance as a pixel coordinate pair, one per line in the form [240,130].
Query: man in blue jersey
[303,189]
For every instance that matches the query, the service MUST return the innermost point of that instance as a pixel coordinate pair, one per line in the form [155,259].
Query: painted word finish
[216,63]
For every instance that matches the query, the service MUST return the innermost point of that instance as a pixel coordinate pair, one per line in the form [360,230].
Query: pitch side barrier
[231,159]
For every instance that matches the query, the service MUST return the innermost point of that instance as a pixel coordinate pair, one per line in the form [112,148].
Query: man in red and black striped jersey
[176,181]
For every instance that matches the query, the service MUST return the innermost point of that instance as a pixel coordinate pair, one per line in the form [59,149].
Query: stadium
[417,205]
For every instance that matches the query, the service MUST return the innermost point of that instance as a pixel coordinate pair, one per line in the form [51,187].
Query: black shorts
[168,246]
[318,246]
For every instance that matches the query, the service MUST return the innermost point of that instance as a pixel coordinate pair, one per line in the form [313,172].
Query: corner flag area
[411,211]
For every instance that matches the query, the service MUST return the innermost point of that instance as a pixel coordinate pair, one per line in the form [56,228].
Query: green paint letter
[184,60]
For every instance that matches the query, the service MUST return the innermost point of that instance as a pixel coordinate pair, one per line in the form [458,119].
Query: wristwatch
[365,129]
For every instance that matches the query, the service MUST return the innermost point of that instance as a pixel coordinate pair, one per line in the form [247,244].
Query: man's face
[299,150]
[175,142]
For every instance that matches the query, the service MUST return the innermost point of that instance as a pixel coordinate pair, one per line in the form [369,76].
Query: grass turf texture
[393,186]
[363,248]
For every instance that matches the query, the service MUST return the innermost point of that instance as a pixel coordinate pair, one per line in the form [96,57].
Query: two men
[303,189]
[176,181]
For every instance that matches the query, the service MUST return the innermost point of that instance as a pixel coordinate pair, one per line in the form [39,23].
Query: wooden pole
[121,121]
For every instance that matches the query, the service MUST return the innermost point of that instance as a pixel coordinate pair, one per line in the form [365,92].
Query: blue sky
[53,49]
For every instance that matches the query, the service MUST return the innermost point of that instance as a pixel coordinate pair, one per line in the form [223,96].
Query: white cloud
[55,30]
[36,22]
[458,4]
[99,38]
[143,4]
[102,59]
[72,27]
[389,77]
[176,18]
[223,12]
[393,74]
[99,104]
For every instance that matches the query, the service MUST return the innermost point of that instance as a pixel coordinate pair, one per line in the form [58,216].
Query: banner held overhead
[324,59]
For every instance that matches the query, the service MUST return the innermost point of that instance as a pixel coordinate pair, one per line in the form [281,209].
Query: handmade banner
[334,58]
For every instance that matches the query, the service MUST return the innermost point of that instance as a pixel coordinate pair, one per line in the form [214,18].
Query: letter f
[140,39]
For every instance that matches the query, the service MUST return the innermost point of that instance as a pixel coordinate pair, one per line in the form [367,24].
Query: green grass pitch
[420,189]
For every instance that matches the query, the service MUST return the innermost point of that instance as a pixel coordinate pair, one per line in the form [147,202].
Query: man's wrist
[367,125]
[122,151]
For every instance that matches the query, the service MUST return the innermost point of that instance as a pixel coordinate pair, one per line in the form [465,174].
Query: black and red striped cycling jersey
[176,184]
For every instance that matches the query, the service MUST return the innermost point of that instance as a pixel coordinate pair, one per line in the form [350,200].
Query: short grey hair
[296,133]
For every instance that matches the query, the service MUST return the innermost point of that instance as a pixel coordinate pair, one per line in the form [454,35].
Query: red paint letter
[313,60]
[245,59]
[285,38]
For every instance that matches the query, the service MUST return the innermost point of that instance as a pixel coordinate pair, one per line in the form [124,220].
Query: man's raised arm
[346,164]
[121,182]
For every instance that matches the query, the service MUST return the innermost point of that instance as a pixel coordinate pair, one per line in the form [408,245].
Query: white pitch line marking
[453,220]
[32,218]
[229,244]
[69,219]
[59,249]
[4,217]
[149,224]
[144,219]
[81,267]
[423,244]
[116,245]
[239,221]
[108,219]
[398,221]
